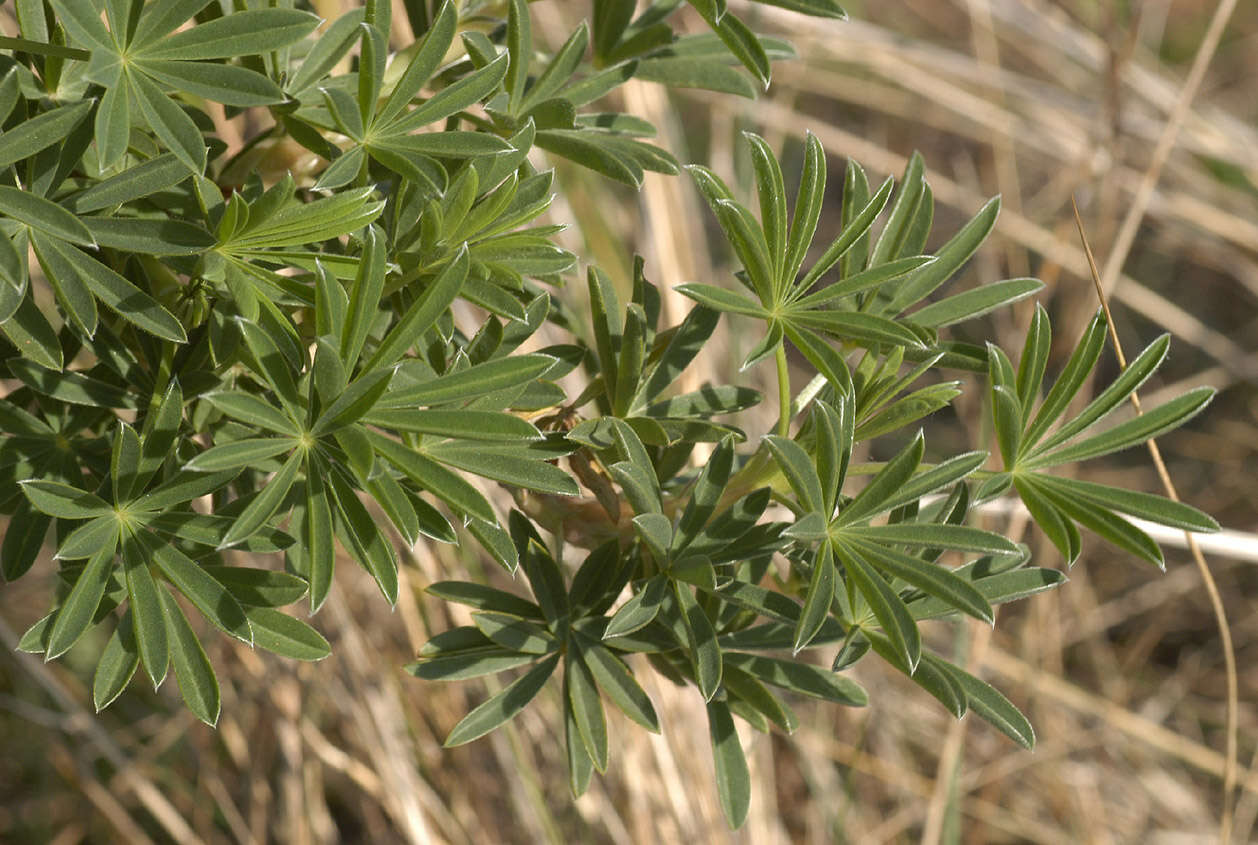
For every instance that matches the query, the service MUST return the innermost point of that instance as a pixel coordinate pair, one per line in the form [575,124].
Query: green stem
[784,393]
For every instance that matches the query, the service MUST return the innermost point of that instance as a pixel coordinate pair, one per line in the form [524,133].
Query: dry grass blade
[79,720]
[1135,212]
[1216,601]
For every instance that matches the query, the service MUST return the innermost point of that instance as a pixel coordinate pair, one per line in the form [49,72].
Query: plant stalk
[784,392]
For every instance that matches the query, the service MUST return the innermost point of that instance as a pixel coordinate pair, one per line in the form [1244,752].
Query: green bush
[282,349]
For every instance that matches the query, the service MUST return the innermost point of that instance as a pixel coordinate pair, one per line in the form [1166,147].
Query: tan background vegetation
[1120,671]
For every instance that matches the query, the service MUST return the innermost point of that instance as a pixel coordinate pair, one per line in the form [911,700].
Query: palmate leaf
[154,55]
[860,309]
[385,131]
[1058,504]
[278,352]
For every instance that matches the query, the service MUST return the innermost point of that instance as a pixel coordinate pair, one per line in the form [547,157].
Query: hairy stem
[784,393]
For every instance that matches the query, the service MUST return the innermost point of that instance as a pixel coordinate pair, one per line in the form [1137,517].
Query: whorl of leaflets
[222,378]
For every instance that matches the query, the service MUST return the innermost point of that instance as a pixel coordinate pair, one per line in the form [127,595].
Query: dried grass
[1120,670]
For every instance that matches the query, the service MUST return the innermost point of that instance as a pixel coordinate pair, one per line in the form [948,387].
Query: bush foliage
[204,354]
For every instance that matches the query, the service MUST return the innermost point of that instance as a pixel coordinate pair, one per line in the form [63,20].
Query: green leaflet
[617,681]
[288,637]
[239,453]
[477,380]
[690,72]
[28,330]
[87,539]
[233,86]
[115,291]
[484,598]
[818,599]
[359,533]
[503,706]
[239,34]
[207,594]
[799,472]
[255,588]
[170,123]
[430,475]
[148,613]
[117,665]
[260,509]
[888,608]
[989,703]
[80,606]
[197,682]
[733,779]
[705,653]
[425,311]
[36,134]
[63,501]
[973,303]
[43,215]
[800,677]
[586,707]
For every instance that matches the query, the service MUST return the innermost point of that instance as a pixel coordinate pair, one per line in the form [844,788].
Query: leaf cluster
[227,369]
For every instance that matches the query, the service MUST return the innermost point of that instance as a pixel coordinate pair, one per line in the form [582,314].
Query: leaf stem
[784,392]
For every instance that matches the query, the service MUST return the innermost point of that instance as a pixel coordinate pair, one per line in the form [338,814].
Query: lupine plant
[223,376]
